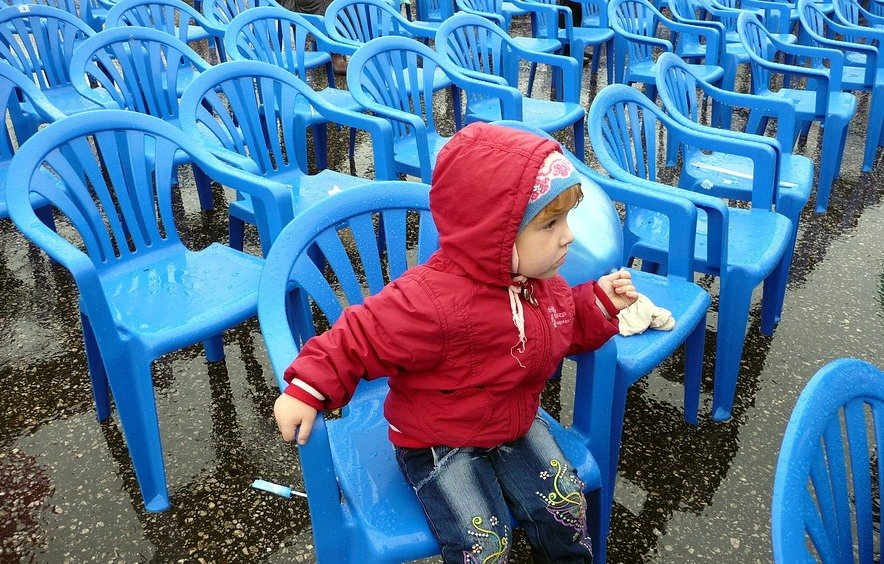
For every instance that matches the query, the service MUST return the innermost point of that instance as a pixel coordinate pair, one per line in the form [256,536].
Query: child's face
[542,246]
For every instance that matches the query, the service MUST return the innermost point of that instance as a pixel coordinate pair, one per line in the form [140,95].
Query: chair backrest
[40,40]
[847,11]
[756,39]
[829,477]
[683,94]
[435,10]
[15,87]
[638,17]
[390,220]
[272,35]
[249,108]
[356,22]
[74,7]
[175,17]
[477,44]
[142,69]
[114,177]
[222,12]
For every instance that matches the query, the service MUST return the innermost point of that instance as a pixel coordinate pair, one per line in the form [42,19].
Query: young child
[468,341]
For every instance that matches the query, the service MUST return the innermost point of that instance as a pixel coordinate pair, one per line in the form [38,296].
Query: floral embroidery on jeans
[569,508]
[486,537]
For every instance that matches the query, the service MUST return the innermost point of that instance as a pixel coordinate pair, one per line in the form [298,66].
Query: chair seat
[405,152]
[639,354]
[310,190]
[69,101]
[854,78]
[841,104]
[735,173]
[746,251]
[587,36]
[548,115]
[541,44]
[380,500]
[644,72]
[175,297]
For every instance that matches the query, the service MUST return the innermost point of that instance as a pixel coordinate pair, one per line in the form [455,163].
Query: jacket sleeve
[593,327]
[396,330]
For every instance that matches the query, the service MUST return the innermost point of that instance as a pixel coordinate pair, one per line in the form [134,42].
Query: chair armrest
[571,70]
[496,18]
[712,35]
[381,133]
[664,44]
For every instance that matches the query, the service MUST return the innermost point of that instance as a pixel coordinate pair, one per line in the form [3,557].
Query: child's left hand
[619,289]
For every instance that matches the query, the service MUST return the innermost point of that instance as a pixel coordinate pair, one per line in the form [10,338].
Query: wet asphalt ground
[685,494]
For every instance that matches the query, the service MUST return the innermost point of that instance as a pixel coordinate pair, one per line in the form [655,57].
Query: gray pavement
[68,493]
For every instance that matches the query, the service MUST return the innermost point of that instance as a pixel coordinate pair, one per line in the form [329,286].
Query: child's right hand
[292,414]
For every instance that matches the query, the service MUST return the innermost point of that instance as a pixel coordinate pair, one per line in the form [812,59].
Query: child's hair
[565,201]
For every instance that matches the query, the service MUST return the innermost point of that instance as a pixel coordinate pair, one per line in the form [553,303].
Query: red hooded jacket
[443,332]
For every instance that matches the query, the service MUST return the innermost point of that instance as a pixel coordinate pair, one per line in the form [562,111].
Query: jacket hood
[481,184]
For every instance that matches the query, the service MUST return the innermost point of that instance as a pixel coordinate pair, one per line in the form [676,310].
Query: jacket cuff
[304,396]
[610,308]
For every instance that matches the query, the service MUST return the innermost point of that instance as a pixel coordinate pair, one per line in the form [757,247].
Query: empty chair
[251,114]
[222,12]
[637,24]
[480,47]
[499,12]
[862,69]
[550,20]
[682,94]
[353,23]
[851,12]
[39,41]
[283,38]
[142,70]
[142,292]
[15,86]
[393,78]
[824,103]
[744,247]
[175,17]
[827,486]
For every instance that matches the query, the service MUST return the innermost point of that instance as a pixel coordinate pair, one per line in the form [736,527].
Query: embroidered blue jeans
[468,494]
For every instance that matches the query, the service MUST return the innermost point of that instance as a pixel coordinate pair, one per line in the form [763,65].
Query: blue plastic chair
[222,12]
[682,94]
[39,41]
[483,50]
[637,24]
[251,115]
[353,23]
[142,70]
[373,515]
[142,292]
[282,38]
[631,358]
[824,103]
[827,486]
[384,77]
[500,13]
[15,86]
[863,70]
[433,12]
[175,17]
[742,246]
[592,30]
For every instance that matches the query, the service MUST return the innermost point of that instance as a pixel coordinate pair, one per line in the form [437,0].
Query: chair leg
[457,107]
[352,153]
[873,133]
[134,396]
[828,161]
[531,74]
[734,300]
[693,370]
[97,373]
[580,139]
[596,53]
[722,115]
[774,287]
[609,60]
[214,347]
[203,188]
[236,233]
[320,145]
